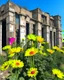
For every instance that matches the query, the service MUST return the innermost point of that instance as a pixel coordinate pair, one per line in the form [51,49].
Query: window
[17,22]
[42,32]
[27,28]
[17,18]
[2,11]
[44,19]
[3,32]
[51,39]
[18,35]
[51,22]
[54,39]
[34,29]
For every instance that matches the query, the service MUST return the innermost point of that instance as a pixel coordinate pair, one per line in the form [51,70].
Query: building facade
[18,22]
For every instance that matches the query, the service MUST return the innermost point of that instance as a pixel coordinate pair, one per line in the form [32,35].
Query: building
[18,22]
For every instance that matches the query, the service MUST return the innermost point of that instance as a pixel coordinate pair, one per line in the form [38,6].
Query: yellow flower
[22,49]
[11,52]
[18,49]
[43,42]
[31,37]
[56,48]
[40,39]
[11,61]
[43,53]
[17,64]
[5,66]
[6,47]
[31,51]
[50,51]
[40,51]
[58,73]
[61,50]
[32,72]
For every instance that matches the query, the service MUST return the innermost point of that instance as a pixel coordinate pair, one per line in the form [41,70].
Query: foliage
[33,60]
[2,59]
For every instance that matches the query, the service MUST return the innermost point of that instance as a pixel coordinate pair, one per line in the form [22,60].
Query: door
[3,32]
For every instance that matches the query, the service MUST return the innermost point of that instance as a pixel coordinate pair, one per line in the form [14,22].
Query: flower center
[32,72]
[32,52]
[17,63]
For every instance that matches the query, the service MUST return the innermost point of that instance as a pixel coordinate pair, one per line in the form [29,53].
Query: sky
[54,7]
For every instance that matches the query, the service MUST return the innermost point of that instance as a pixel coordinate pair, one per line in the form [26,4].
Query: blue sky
[54,7]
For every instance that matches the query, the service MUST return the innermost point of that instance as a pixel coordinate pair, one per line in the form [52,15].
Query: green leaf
[21,78]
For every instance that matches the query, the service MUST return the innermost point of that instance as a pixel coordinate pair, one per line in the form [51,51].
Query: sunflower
[31,37]
[17,64]
[58,73]
[31,51]
[5,66]
[50,51]
[32,72]
[40,39]
[6,47]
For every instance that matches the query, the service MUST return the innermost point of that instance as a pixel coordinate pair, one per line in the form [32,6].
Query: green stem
[33,61]
[35,78]
[16,56]
[17,74]
[11,71]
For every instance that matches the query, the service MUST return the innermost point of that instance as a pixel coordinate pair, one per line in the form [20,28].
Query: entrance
[3,32]
[27,28]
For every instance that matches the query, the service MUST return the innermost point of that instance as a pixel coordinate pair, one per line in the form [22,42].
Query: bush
[2,59]
[33,60]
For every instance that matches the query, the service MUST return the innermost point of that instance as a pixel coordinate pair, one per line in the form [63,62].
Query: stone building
[18,22]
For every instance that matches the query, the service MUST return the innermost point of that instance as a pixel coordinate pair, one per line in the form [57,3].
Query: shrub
[2,59]
[33,60]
